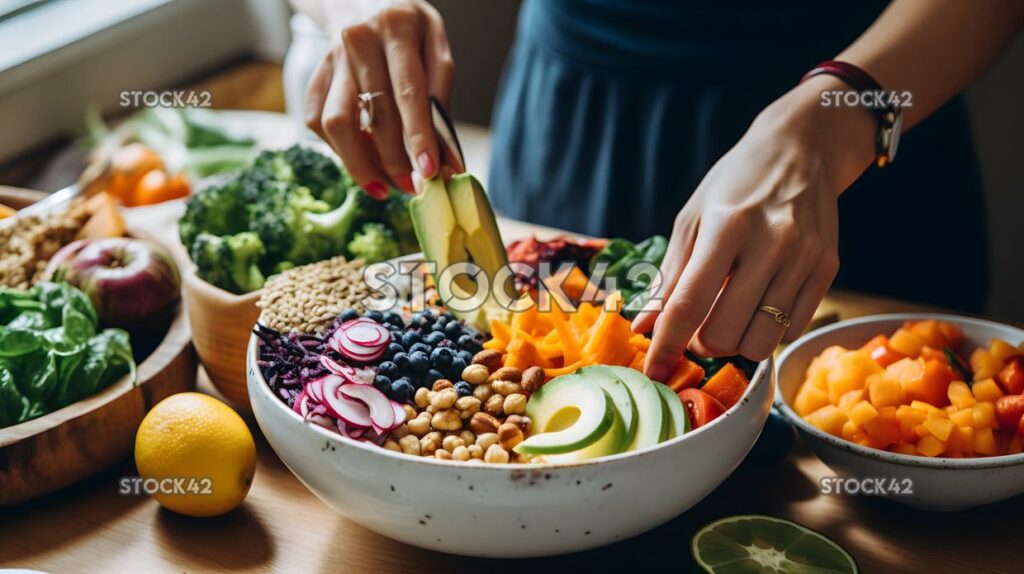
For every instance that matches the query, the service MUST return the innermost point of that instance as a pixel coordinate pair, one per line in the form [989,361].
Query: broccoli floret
[301,229]
[396,214]
[216,209]
[374,242]
[230,262]
[301,166]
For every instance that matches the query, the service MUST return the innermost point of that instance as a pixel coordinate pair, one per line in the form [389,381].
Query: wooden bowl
[53,451]
[221,325]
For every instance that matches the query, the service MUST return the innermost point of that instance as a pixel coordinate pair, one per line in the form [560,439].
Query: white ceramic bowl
[510,510]
[937,483]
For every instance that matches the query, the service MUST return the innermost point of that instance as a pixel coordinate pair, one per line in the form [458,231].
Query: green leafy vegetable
[621,260]
[51,354]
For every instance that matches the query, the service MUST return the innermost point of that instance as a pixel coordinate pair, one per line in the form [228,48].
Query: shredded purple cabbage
[288,360]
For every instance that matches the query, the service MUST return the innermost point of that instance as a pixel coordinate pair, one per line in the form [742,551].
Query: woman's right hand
[400,48]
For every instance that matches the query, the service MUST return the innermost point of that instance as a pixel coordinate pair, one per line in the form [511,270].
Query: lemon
[195,455]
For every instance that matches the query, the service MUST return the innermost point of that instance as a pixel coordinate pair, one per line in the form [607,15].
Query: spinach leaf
[13,405]
[18,342]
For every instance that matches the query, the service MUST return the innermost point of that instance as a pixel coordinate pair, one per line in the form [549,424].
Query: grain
[308,298]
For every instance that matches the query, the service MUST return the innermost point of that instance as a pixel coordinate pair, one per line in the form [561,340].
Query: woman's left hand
[761,229]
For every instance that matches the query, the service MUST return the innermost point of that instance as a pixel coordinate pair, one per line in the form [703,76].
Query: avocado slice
[569,413]
[615,440]
[622,398]
[678,421]
[651,420]
[441,238]
[474,215]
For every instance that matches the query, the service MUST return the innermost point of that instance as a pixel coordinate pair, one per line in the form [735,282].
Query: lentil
[308,298]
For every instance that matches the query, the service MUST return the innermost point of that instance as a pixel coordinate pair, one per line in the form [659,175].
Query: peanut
[494,405]
[482,423]
[513,374]
[441,384]
[420,425]
[509,436]
[496,454]
[446,420]
[521,421]
[506,388]
[467,406]
[410,445]
[422,397]
[475,374]
[488,358]
[514,404]
[484,441]
[533,379]
[444,399]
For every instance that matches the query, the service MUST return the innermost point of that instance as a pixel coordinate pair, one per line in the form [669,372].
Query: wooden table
[282,527]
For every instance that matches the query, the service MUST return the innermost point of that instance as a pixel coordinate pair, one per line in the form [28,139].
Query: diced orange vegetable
[987,390]
[849,430]
[862,412]
[960,395]
[883,391]
[727,385]
[637,363]
[828,419]
[930,446]
[850,372]
[930,332]
[906,342]
[572,281]
[876,342]
[904,448]
[985,441]
[809,399]
[924,380]
[984,415]
[1001,350]
[939,428]
[688,374]
[984,365]
[961,440]
[1011,377]
[849,399]
[884,428]
[963,417]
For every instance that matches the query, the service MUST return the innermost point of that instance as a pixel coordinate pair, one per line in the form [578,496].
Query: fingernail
[427,167]
[404,183]
[376,189]
[658,373]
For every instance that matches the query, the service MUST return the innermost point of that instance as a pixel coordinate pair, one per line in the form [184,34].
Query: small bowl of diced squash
[930,407]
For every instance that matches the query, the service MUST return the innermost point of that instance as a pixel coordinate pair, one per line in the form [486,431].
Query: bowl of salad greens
[288,207]
[72,392]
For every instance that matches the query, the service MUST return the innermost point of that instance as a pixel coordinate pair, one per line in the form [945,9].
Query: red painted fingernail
[404,183]
[427,167]
[658,373]
[376,189]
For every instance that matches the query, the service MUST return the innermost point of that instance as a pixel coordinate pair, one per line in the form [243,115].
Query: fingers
[365,55]
[689,303]
[763,333]
[316,94]
[811,294]
[341,131]
[722,330]
[680,247]
[403,38]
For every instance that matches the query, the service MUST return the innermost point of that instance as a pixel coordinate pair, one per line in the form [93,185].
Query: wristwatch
[890,116]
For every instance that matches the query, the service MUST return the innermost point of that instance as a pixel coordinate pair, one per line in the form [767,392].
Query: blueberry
[437,327]
[392,350]
[441,358]
[447,343]
[433,338]
[410,338]
[349,314]
[374,315]
[394,319]
[466,356]
[382,383]
[388,369]
[433,375]
[402,390]
[458,365]
[453,329]
[420,361]
[420,381]
[463,388]
[443,320]
[402,361]
[420,347]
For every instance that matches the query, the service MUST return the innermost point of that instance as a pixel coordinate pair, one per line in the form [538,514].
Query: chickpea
[451,442]
[475,451]
[446,420]
[410,445]
[422,399]
[483,392]
[409,411]
[475,461]
[484,441]
[420,425]
[400,431]
[506,387]
[514,404]
[475,374]
[496,454]
[442,454]
[444,398]
[467,436]
[495,405]
[392,445]
[435,436]
[467,406]
[461,453]
[428,446]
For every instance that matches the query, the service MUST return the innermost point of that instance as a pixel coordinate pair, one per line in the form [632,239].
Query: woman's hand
[761,229]
[398,48]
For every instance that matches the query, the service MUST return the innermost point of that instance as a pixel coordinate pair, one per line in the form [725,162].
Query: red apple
[130,281]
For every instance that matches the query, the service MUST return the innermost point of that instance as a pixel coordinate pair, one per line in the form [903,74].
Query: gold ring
[367,117]
[781,317]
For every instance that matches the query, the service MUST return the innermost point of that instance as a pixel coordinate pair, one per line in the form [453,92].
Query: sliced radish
[365,376]
[315,388]
[336,367]
[321,420]
[399,413]
[382,415]
[345,408]
[366,333]
[301,404]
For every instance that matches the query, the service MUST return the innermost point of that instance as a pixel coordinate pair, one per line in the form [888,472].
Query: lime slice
[750,544]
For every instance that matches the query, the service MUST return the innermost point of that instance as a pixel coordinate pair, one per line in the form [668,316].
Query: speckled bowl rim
[937,463]
[761,376]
